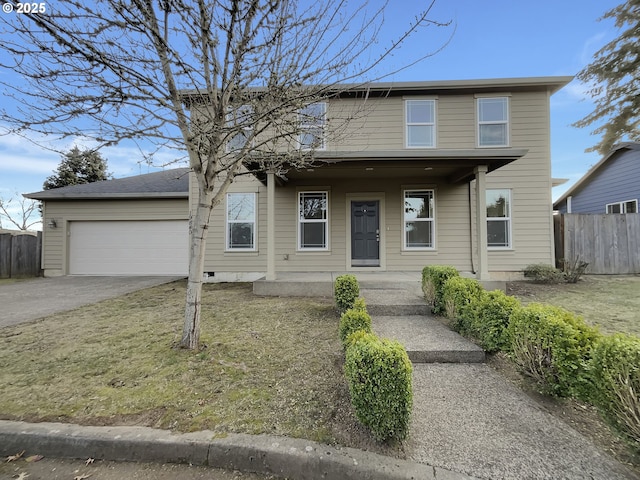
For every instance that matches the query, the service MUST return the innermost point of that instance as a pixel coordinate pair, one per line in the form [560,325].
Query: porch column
[271,226]
[482,272]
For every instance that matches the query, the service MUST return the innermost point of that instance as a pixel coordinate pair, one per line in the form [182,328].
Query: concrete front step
[394,299]
[427,340]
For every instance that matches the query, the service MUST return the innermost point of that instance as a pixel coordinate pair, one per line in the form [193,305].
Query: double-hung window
[239,121]
[630,206]
[312,120]
[241,221]
[498,218]
[493,122]
[313,220]
[420,123]
[419,221]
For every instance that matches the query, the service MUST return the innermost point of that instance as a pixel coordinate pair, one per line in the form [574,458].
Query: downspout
[471,214]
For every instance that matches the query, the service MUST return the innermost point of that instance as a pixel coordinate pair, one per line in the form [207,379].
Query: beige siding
[55,239]
[379,125]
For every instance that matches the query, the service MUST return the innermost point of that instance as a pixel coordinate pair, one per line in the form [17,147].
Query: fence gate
[609,243]
[20,255]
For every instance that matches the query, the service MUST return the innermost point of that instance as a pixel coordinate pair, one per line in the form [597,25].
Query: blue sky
[492,39]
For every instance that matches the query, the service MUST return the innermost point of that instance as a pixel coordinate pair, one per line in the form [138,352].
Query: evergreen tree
[616,79]
[78,167]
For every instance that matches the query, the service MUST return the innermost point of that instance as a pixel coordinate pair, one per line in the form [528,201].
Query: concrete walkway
[466,417]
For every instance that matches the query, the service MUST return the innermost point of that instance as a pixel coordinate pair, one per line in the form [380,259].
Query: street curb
[265,454]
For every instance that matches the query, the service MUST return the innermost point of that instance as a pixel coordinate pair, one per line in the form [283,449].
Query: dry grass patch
[268,365]
[611,302]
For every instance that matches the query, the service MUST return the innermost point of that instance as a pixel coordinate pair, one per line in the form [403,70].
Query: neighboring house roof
[582,182]
[172,183]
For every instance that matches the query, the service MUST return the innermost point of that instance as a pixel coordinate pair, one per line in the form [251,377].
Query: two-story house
[442,172]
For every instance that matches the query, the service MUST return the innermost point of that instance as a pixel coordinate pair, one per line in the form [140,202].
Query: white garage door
[129,248]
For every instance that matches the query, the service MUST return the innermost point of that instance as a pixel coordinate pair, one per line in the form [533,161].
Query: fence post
[5,255]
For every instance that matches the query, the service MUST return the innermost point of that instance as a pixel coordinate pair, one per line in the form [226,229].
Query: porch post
[482,272]
[271,226]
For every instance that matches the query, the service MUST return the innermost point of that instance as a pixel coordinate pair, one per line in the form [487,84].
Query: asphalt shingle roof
[172,183]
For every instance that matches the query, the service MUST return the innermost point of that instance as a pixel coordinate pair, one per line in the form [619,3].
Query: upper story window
[313,220]
[241,221]
[241,117]
[312,120]
[419,221]
[493,122]
[630,206]
[499,218]
[421,123]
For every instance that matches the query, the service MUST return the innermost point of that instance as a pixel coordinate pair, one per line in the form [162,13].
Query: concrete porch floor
[320,284]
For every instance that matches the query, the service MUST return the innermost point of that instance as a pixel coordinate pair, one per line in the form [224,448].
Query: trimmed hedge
[491,315]
[459,296]
[379,375]
[614,370]
[553,346]
[433,279]
[353,320]
[346,291]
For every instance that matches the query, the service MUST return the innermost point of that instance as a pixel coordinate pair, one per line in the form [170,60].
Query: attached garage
[127,226]
[129,247]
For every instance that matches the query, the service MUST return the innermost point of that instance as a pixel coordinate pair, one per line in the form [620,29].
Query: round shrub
[433,279]
[353,320]
[615,376]
[491,314]
[553,346]
[459,295]
[346,291]
[379,375]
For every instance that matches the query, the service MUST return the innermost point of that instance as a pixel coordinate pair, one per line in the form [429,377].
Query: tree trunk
[198,227]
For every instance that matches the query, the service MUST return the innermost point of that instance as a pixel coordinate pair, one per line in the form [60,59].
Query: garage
[155,247]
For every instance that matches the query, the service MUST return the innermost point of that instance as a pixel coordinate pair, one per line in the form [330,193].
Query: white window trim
[506,122]
[304,126]
[507,218]
[432,219]
[229,248]
[248,128]
[622,205]
[433,124]
[299,221]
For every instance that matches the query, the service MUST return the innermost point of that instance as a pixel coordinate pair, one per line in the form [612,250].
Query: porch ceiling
[450,166]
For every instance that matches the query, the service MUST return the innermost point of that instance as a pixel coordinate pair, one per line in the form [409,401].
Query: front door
[365,233]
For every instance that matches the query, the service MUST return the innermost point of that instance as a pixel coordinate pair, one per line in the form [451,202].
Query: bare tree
[223,82]
[19,212]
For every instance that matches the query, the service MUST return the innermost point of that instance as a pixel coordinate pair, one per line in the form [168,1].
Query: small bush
[346,291]
[359,304]
[492,311]
[573,269]
[542,273]
[353,320]
[553,346]
[615,376]
[458,293]
[433,279]
[379,376]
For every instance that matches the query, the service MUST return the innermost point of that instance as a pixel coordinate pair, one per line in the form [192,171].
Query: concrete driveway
[28,300]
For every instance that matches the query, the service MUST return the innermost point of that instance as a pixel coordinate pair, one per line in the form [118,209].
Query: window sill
[251,253]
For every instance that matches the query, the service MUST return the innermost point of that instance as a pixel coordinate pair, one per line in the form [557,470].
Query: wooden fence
[20,255]
[609,243]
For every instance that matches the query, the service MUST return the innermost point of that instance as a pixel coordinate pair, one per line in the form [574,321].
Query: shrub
[359,304]
[433,279]
[353,320]
[573,269]
[492,311]
[458,293]
[543,273]
[379,376]
[346,290]
[615,376]
[553,346]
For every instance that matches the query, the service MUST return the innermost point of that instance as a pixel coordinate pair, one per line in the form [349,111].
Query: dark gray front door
[365,233]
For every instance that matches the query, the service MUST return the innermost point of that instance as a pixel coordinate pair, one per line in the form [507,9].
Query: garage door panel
[128,248]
